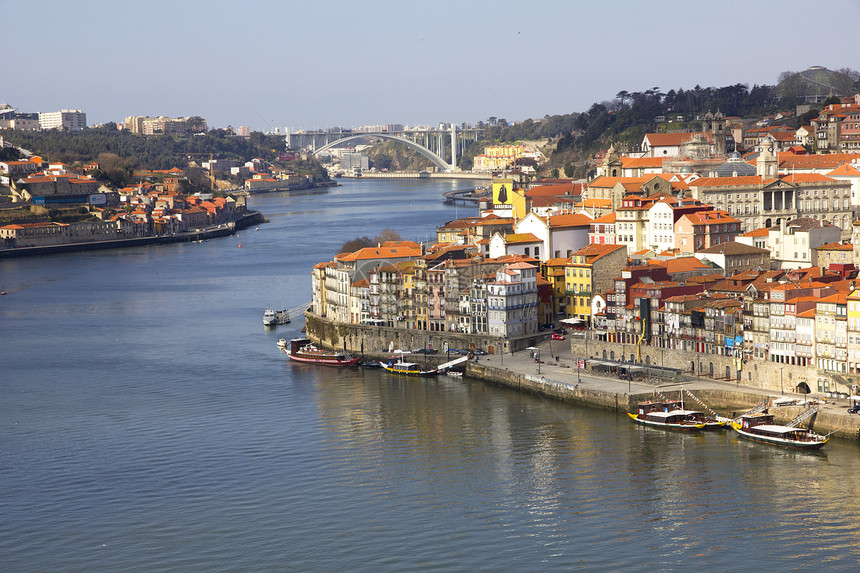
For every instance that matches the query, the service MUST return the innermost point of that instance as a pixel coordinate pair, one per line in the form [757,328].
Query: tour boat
[659,415]
[760,428]
[712,422]
[408,368]
[302,350]
[274,318]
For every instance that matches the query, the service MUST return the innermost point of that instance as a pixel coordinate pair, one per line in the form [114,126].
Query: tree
[356,244]
[569,169]
[387,235]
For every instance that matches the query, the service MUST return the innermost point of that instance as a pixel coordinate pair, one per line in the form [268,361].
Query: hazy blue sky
[320,63]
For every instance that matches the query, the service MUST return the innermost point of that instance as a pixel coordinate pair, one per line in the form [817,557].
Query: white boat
[760,428]
[275,317]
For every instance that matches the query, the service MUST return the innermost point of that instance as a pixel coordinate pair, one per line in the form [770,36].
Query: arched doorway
[648,361]
[604,355]
[802,388]
[711,370]
[611,354]
[728,373]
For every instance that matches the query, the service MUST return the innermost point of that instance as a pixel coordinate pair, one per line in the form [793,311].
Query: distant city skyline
[268,64]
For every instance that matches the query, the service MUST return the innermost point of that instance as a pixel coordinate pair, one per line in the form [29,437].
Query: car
[479,352]
[557,336]
[854,409]
[558,331]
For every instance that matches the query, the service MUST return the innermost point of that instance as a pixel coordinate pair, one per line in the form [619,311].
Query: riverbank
[215,231]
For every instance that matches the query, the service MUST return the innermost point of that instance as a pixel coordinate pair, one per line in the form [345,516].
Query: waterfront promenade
[557,376]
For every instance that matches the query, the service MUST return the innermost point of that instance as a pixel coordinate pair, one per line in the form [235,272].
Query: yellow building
[554,272]
[854,332]
[507,201]
[591,270]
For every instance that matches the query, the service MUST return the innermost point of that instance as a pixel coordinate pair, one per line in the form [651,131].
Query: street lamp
[780,380]
[537,357]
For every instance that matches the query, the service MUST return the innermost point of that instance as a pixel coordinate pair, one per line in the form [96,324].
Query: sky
[314,64]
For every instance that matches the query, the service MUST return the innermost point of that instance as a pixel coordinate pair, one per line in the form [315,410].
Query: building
[512,301]
[65,120]
[793,244]
[769,198]
[704,229]
[591,270]
[734,257]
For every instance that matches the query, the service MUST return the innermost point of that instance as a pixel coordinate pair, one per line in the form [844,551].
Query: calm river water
[148,423]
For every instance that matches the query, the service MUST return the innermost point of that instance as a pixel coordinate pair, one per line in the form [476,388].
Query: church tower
[715,124]
[766,163]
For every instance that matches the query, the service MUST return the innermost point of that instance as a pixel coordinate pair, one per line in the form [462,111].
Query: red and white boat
[303,350]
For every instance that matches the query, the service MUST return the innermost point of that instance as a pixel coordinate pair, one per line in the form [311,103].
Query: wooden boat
[408,369]
[712,422]
[759,427]
[658,415]
[302,350]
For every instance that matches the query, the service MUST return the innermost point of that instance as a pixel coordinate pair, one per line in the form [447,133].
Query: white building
[512,301]
[792,245]
[65,120]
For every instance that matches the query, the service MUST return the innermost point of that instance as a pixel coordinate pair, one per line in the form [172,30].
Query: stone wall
[382,339]
[770,376]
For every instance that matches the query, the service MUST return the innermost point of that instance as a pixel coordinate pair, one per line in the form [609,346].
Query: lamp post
[537,357]
[780,380]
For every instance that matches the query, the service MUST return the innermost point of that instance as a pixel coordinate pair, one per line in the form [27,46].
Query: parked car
[479,352]
[557,336]
[558,331]
[855,409]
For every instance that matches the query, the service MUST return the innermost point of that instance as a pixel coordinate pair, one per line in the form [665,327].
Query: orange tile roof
[641,162]
[763,232]
[845,170]
[574,220]
[674,139]
[836,247]
[610,218]
[514,238]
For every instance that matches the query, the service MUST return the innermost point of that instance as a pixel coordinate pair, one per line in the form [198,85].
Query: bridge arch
[438,161]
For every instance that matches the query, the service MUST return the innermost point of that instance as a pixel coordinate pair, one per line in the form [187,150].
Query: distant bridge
[434,144]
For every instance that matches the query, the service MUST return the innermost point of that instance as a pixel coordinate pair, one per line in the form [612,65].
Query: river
[148,423]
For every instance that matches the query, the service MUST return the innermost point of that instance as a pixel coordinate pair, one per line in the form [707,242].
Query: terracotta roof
[597,251]
[641,162]
[514,238]
[845,170]
[733,248]
[836,247]
[575,220]
[606,219]
[762,232]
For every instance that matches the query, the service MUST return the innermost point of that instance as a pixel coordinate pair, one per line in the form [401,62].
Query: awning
[571,321]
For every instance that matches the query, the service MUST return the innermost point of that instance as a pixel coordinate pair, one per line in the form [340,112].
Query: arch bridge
[435,145]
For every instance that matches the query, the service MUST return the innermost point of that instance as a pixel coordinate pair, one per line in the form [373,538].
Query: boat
[454,373]
[282,343]
[408,369]
[303,350]
[657,414]
[275,317]
[711,419]
[759,427]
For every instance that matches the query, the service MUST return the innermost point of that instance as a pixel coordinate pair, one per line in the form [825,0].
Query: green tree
[569,169]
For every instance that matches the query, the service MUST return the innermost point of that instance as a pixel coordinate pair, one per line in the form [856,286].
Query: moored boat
[275,317]
[659,415]
[408,369]
[302,350]
[711,422]
[759,427]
